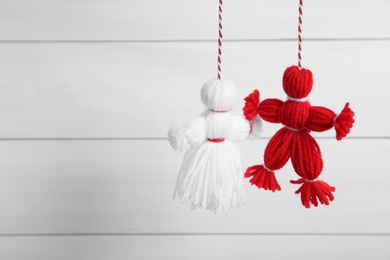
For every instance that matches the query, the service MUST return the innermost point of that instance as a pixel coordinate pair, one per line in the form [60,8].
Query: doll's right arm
[182,137]
[268,109]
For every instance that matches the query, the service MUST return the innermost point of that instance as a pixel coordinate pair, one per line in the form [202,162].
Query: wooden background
[89,88]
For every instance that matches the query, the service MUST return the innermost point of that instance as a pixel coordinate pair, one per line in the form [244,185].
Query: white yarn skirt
[211,177]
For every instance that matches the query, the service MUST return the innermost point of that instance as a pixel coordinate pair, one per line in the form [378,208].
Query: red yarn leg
[307,162]
[276,155]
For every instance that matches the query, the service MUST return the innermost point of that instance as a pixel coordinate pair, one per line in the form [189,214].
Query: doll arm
[322,119]
[256,125]
[269,110]
[240,128]
[251,104]
[184,137]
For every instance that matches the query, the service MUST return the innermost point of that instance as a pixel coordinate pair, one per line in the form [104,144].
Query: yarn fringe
[251,103]
[314,191]
[344,122]
[262,178]
[211,177]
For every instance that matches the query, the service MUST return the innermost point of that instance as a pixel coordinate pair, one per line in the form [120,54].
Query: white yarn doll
[211,175]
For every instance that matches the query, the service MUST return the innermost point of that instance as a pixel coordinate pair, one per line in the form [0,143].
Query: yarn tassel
[312,191]
[252,102]
[218,188]
[262,178]
[344,122]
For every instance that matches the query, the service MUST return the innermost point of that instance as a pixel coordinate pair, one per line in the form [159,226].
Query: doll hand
[256,128]
[344,122]
[177,138]
[251,103]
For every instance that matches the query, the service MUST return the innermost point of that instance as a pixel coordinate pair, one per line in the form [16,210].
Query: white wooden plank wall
[89,88]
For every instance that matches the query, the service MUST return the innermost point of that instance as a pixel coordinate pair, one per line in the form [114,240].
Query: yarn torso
[294,114]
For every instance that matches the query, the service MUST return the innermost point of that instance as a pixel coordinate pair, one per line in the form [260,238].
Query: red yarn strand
[300,34]
[220,36]
[216,140]
[251,104]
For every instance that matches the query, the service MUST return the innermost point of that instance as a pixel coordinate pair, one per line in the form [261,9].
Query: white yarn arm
[239,130]
[196,131]
[183,137]
[257,127]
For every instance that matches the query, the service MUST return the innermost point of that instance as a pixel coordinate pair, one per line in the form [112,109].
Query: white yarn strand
[335,118]
[298,99]
[293,129]
[317,179]
[267,169]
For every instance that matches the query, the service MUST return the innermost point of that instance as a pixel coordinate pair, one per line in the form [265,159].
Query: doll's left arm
[184,137]
[242,128]
[322,119]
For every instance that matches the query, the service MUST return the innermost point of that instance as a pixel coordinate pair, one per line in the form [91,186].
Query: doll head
[297,83]
[218,94]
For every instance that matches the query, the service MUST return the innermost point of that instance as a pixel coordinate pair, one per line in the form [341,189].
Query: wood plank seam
[362,39]
[38,139]
[193,234]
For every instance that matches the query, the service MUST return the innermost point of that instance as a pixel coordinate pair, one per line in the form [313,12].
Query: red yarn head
[297,83]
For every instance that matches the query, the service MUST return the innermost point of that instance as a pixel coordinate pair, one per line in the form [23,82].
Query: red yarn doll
[294,140]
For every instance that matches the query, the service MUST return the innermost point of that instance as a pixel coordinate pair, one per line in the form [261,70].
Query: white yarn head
[218,94]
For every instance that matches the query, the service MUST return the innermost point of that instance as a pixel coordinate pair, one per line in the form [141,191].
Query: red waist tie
[216,140]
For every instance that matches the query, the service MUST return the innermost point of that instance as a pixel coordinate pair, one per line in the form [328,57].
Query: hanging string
[220,36]
[300,34]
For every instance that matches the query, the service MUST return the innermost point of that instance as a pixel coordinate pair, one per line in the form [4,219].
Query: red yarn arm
[269,110]
[320,119]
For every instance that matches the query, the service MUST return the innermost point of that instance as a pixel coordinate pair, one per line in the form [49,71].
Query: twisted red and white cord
[220,36]
[300,34]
